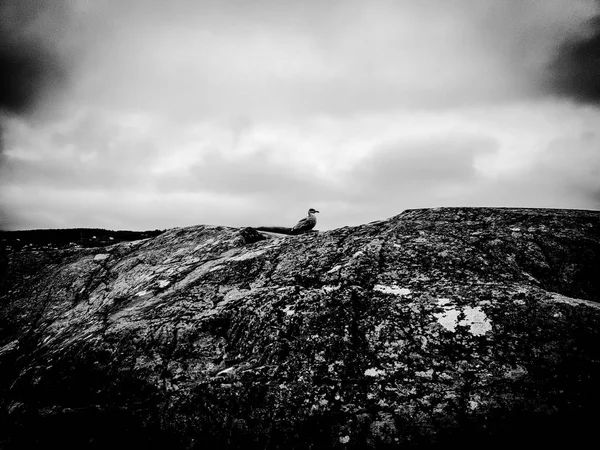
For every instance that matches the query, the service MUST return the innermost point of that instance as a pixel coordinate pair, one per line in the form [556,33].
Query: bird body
[305,224]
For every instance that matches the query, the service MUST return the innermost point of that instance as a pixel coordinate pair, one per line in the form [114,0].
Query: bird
[306,224]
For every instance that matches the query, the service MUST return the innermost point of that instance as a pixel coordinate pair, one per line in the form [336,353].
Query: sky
[146,114]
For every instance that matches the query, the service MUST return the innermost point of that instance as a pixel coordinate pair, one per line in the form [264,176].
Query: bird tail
[280,230]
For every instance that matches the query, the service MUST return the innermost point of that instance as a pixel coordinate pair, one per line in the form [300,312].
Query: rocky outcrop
[470,326]
[32,240]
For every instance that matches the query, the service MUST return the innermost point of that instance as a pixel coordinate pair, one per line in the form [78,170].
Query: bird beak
[316,211]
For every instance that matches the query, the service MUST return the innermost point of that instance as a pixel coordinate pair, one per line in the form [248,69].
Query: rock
[468,326]
[101,256]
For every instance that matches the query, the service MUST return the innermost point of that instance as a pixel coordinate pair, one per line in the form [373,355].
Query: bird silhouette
[306,224]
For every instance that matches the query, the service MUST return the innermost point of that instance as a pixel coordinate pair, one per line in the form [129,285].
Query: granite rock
[469,326]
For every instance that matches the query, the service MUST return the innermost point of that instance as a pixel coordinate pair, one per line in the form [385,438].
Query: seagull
[306,224]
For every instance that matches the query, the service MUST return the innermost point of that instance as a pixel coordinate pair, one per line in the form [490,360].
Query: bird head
[312,211]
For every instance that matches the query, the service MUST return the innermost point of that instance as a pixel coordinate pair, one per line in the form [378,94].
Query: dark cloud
[575,72]
[29,66]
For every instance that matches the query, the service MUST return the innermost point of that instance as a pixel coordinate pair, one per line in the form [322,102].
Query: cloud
[427,171]
[30,64]
[128,171]
[575,71]
[257,174]
[565,175]
[254,111]
[422,165]
[197,60]
[89,151]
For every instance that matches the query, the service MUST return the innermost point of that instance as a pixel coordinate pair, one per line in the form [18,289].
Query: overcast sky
[145,114]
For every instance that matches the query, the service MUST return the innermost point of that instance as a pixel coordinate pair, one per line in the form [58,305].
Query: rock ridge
[434,327]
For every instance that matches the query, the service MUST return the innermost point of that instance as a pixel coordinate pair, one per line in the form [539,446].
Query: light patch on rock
[344,439]
[394,290]
[530,277]
[285,288]
[516,372]
[101,256]
[206,243]
[227,371]
[9,347]
[335,269]
[373,372]
[425,374]
[448,319]
[248,255]
[142,293]
[235,294]
[475,318]
[163,283]
[330,288]
[289,311]
[554,297]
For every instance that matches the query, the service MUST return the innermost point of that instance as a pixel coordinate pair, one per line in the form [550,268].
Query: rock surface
[468,326]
